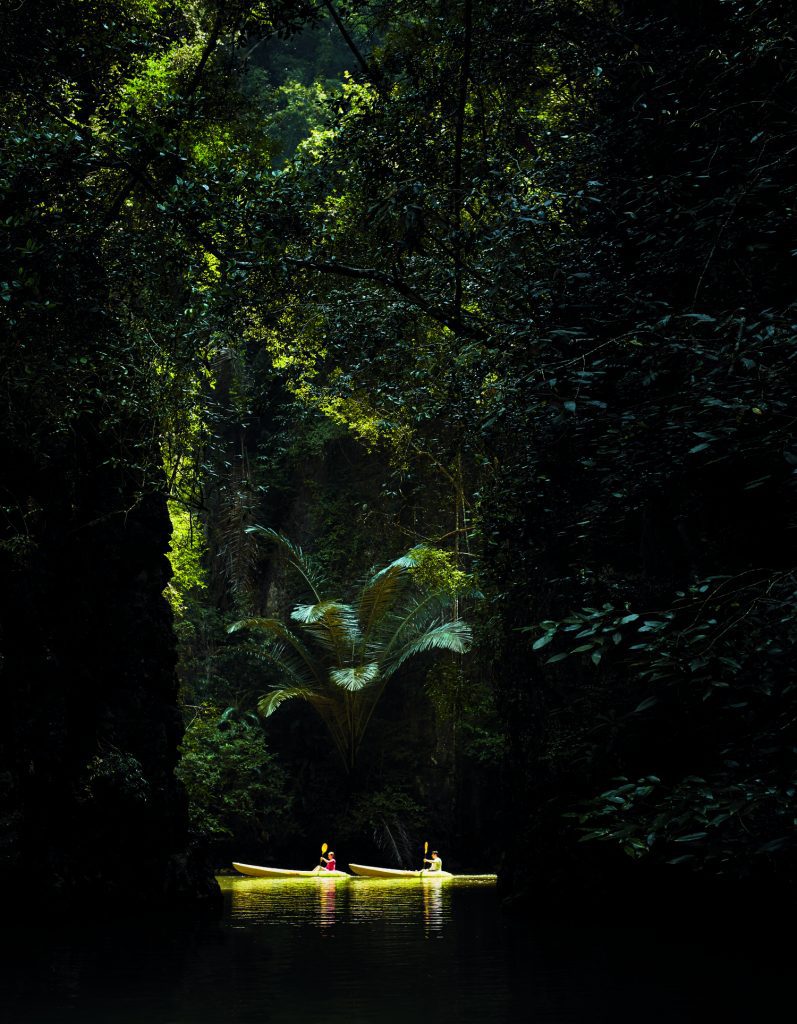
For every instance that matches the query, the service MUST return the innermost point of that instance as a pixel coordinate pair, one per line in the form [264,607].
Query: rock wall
[89,807]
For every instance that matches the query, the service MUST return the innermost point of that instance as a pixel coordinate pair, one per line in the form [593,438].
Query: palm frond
[253,622]
[286,662]
[453,636]
[307,614]
[412,617]
[269,703]
[391,837]
[355,678]
[334,626]
[278,631]
[407,561]
[378,596]
[305,566]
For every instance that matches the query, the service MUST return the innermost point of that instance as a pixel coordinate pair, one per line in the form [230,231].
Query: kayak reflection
[433,909]
[428,903]
[327,895]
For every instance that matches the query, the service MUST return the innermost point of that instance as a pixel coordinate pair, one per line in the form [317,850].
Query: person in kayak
[434,862]
[328,863]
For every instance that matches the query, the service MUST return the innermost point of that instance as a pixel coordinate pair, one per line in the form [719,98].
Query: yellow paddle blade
[425,848]
[324,848]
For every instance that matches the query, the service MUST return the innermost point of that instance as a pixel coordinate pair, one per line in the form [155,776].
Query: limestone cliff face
[89,804]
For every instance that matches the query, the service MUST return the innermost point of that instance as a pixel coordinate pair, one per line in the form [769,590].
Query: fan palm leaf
[356,677]
[333,625]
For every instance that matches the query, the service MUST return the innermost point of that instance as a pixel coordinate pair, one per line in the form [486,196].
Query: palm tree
[338,656]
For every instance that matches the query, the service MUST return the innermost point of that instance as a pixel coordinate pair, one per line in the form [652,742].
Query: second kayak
[365,871]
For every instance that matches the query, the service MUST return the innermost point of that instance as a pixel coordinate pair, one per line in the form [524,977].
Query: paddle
[425,851]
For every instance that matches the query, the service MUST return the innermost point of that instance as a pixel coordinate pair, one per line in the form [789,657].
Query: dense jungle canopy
[398,442]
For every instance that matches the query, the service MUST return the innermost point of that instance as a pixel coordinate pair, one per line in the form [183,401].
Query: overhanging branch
[437,313]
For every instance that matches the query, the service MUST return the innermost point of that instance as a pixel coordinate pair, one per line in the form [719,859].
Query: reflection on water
[369,951]
[327,895]
[327,901]
[433,910]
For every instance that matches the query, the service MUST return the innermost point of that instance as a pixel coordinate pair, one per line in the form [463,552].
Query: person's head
[331,855]
[434,853]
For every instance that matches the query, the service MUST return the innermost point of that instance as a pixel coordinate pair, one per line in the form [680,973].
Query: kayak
[364,871]
[255,871]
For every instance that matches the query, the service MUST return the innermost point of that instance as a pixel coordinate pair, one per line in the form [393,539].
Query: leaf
[648,702]
[693,837]
[268,705]
[542,641]
[355,678]
[453,636]
[379,595]
[557,657]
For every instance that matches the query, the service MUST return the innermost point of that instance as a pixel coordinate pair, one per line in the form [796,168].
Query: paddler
[328,863]
[434,862]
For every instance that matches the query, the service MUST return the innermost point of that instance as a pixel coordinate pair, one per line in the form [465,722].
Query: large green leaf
[453,636]
[269,703]
[334,626]
[355,678]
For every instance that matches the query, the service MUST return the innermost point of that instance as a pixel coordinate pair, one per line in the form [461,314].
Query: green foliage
[437,570]
[189,576]
[235,786]
[392,819]
[352,649]
[724,826]
[711,666]
[531,262]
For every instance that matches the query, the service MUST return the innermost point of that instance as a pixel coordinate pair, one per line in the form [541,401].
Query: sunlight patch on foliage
[159,79]
[436,570]
[185,555]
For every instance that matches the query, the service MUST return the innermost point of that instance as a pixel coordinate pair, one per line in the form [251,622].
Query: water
[380,952]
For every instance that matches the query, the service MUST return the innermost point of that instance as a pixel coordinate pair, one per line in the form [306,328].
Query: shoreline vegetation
[398,442]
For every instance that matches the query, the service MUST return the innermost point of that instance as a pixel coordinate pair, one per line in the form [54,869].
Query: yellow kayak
[255,871]
[364,871]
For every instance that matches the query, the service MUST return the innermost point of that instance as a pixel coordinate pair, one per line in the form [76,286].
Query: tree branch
[364,65]
[440,315]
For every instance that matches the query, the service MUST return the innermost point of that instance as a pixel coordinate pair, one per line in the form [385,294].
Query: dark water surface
[377,952]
